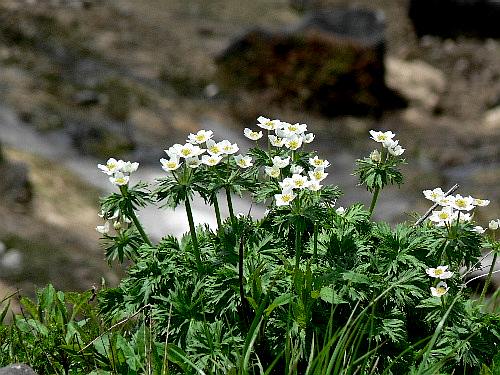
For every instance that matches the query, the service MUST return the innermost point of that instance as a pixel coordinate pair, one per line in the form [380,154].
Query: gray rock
[12,260]
[17,369]
[15,186]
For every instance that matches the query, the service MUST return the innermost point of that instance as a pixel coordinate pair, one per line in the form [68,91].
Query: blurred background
[85,80]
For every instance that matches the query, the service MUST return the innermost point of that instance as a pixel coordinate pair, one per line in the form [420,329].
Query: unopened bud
[375,156]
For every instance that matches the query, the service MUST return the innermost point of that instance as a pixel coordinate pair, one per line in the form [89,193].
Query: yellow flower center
[440,290]
[317,175]
[460,203]
[443,215]
[215,149]
[294,144]
[171,164]
[286,198]
[185,151]
[438,272]
[382,137]
[200,138]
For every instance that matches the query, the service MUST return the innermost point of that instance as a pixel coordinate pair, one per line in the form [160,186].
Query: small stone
[491,119]
[12,260]
[17,369]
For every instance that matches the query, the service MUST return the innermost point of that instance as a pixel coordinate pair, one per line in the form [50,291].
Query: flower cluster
[441,273]
[291,136]
[118,170]
[193,155]
[119,222]
[453,207]
[387,141]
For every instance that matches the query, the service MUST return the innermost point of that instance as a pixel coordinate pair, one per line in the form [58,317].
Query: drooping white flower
[103,229]
[273,171]
[340,210]
[440,272]
[376,156]
[314,185]
[172,152]
[243,161]
[170,165]
[268,124]
[112,166]
[188,150]
[479,229]
[286,184]
[445,216]
[276,141]
[280,163]
[319,163]
[396,150]
[390,143]
[252,135]
[129,167]
[200,137]
[193,162]
[494,224]
[440,290]
[296,169]
[299,181]
[381,136]
[308,138]
[481,202]
[119,179]
[318,174]
[293,143]
[462,203]
[434,195]
[283,131]
[211,160]
[228,148]
[284,198]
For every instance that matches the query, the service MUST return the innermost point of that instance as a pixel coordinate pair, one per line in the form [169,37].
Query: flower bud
[493,224]
[376,156]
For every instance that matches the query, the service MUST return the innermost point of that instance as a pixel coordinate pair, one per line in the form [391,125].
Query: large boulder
[450,18]
[331,62]
[17,369]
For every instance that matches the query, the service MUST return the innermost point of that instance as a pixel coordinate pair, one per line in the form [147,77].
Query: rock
[15,185]
[17,369]
[491,118]
[451,18]
[416,80]
[331,62]
[11,261]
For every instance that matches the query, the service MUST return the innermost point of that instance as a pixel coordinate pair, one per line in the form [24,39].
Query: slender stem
[298,238]
[315,241]
[230,205]
[192,229]
[488,279]
[124,191]
[374,200]
[217,211]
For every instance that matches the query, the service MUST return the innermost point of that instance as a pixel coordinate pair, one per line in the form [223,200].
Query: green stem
[230,205]
[124,191]
[315,241]
[488,279]
[374,199]
[298,238]
[217,211]
[192,229]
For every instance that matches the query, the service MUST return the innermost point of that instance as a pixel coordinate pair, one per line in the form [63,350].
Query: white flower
[293,143]
[284,198]
[286,184]
[445,201]
[211,160]
[112,166]
[299,181]
[119,179]
[340,210]
[276,141]
[462,203]
[117,225]
[464,217]
[296,169]
[295,128]
[318,174]
[228,148]
[201,137]
[479,229]
[170,165]
[308,138]
[243,161]
[319,163]
[314,185]
[481,202]
[281,163]
[213,147]
[445,216]
[434,195]
[376,156]
[440,272]
[396,150]
[250,134]
[440,290]
[494,224]
[390,143]
[193,162]
[273,171]
[381,136]
[129,167]
[103,229]
[188,150]
[171,152]
[268,124]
